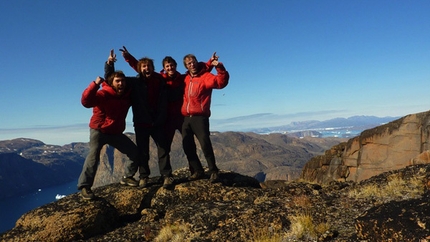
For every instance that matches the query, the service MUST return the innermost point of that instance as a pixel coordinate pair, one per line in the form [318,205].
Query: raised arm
[213,61]
[89,96]
[208,64]
[109,64]
[222,77]
[129,58]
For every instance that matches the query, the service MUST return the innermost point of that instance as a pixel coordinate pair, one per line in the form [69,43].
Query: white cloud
[264,120]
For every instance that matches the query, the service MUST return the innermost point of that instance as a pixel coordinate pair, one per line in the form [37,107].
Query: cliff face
[237,209]
[24,174]
[27,164]
[384,148]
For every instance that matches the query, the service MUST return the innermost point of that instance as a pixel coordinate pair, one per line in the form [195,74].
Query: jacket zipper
[189,91]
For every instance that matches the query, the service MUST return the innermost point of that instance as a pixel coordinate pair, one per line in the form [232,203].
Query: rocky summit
[392,206]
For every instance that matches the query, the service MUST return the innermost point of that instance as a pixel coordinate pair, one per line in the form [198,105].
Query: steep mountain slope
[28,164]
[18,174]
[391,146]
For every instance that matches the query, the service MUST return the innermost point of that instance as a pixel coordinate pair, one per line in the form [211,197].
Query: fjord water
[12,208]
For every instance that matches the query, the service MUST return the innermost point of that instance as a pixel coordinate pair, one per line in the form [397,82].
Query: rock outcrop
[384,148]
[237,209]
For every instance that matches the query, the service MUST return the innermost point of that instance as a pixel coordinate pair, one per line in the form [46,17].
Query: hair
[145,60]
[169,59]
[189,56]
[110,78]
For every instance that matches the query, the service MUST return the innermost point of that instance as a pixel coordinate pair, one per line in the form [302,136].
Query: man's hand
[99,80]
[124,51]
[111,58]
[214,59]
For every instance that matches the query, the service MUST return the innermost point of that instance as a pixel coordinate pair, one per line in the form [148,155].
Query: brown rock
[396,221]
[236,209]
[65,220]
[384,148]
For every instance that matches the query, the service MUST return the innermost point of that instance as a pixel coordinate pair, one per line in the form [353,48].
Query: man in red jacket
[110,106]
[196,110]
[175,88]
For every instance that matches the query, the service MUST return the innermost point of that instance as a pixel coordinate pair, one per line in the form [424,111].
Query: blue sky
[288,60]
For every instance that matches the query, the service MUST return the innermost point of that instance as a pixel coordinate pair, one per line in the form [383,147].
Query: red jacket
[109,109]
[198,90]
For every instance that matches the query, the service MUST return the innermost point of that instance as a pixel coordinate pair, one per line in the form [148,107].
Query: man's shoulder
[204,75]
[106,91]
[157,75]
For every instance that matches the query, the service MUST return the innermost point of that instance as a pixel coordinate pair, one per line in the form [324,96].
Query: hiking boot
[168,181]
[143,182]
[196,176]
[160,180]
[87,193]
[214,177]
[129,181]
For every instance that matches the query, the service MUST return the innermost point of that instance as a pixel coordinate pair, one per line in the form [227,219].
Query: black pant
[198,126]
[97,140]
[142,140]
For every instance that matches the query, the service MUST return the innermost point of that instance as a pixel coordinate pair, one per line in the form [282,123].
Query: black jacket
[146,112]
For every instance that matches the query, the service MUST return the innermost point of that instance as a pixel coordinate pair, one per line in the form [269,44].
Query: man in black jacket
[149,106]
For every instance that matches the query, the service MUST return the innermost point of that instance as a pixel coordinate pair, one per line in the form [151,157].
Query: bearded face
[118,84]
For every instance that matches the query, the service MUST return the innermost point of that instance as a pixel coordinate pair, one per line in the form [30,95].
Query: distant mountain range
[28,164]
[267,154]
[296,121]
[337,127]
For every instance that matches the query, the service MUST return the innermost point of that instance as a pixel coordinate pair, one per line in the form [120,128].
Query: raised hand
[214,59]
[99,80]
[111,58]
[124,51]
